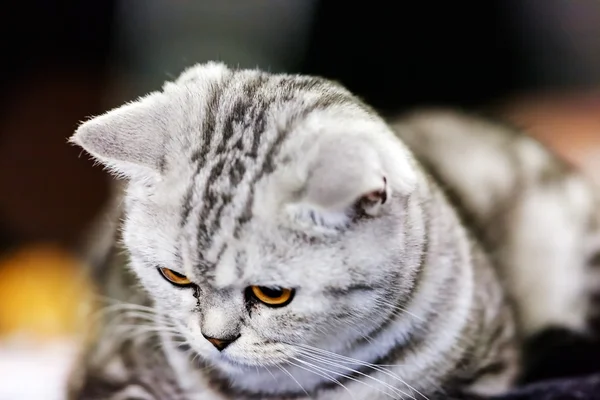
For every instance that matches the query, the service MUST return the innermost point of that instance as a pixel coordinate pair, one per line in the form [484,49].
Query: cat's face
[265,213]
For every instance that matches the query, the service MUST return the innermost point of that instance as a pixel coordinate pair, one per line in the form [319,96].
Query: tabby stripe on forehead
[209,198]
[267,167]
[207,131]
[242,109]
[210,120]
[259,126]
[235,170]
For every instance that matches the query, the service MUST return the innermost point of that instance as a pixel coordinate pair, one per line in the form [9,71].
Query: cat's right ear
[128,140]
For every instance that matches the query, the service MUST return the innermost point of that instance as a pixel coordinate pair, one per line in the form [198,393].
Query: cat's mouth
[223,359]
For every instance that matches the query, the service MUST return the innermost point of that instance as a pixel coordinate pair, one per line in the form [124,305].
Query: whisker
[294,379]
[387,385]
[269,371]
[363,363]
[323,375]
[136,332]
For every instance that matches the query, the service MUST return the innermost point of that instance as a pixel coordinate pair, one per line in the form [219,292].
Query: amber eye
[274,297]
[175,277]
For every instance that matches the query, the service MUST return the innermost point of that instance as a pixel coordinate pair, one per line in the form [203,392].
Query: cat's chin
[233,366]
[234,363]
[225,362]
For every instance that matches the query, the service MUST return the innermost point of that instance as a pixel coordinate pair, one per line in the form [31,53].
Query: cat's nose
[220,343]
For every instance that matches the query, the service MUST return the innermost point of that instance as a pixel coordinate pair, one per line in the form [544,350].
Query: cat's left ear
[129,140]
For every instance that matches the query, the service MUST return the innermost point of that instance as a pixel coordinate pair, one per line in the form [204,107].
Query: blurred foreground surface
[45,304]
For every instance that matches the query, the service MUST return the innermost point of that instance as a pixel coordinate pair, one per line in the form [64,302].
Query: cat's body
[240,179]
[537,217]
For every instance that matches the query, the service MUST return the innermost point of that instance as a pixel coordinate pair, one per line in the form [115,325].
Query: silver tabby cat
[284,242]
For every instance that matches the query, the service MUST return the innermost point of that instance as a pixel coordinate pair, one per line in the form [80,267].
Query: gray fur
[537,216]
[240,178]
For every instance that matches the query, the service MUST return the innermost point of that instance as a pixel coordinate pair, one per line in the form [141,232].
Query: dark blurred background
[65,61]
[534,62]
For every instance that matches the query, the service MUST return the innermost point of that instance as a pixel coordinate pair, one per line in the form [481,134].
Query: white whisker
[376,367]
[324,373]
[269,371]
[354,371]
[294,379]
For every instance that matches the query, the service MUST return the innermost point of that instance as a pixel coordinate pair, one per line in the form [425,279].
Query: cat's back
[535,215]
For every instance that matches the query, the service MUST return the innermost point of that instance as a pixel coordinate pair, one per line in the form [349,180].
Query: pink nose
[220,344]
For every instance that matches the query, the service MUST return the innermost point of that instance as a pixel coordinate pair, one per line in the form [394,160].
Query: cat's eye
[273,297]
[175,277]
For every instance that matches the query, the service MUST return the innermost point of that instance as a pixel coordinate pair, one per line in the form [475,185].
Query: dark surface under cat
[587,388]
[561,365]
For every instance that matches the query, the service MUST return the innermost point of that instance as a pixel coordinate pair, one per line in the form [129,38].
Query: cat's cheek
[187,309]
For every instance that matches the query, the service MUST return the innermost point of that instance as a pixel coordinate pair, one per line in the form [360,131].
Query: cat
[283,241]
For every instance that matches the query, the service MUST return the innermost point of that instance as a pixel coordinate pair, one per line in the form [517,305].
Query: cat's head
[264,213]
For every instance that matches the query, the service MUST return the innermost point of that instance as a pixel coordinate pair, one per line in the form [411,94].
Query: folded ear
[349,177]
[129,140]
[344,172]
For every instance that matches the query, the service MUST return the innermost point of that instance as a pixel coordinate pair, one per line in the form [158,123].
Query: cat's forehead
[229,93]
[222,115]
[235,135]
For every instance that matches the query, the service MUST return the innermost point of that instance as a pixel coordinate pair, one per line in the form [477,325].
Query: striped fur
[239,178]
[537,217]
